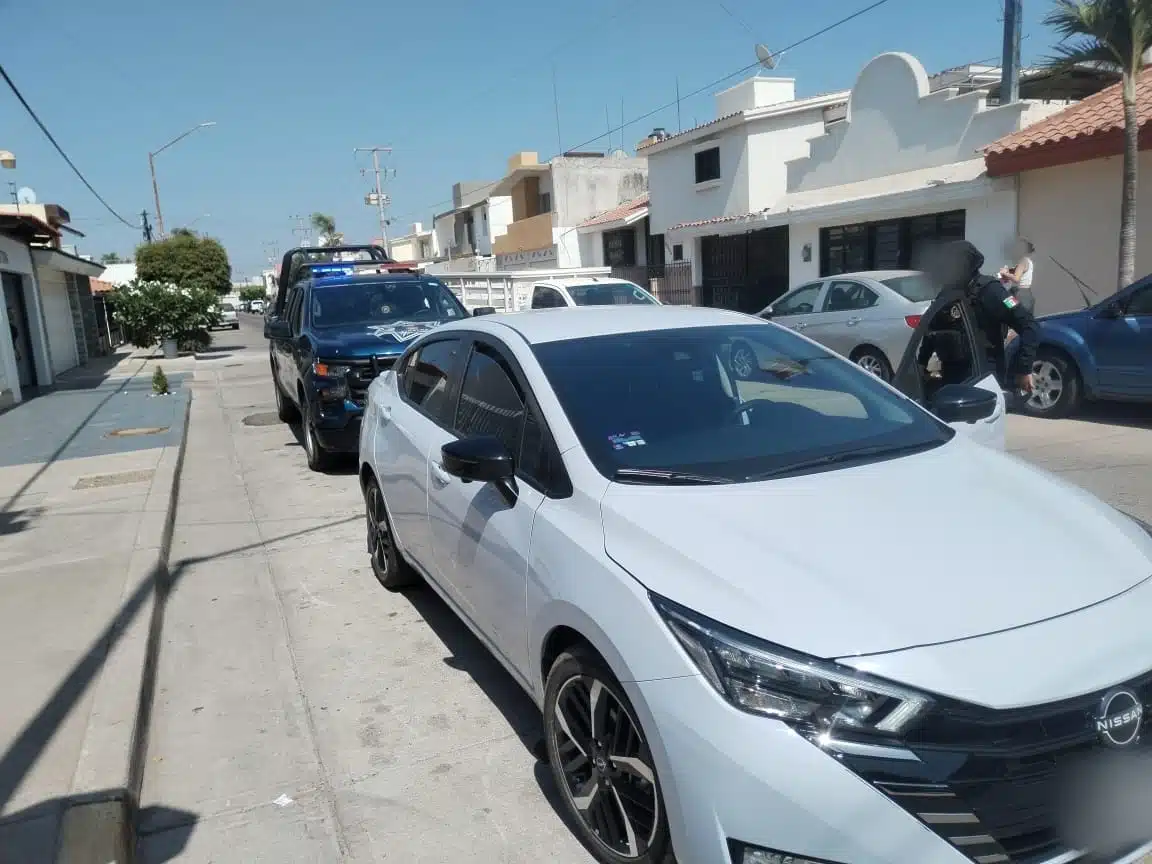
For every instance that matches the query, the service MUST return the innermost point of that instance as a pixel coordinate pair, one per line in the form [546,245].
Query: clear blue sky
[454,86]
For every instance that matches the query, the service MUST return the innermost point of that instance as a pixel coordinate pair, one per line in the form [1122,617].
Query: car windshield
[386,301]
[665,402]
[610,294]
[917,287]
[227,307]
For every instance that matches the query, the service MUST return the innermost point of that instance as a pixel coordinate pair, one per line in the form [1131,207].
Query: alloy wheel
[607,767]
[1047,385]
[871,363]
[379,537]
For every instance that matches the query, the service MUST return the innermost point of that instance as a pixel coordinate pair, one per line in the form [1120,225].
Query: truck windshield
[339,305]
[610,294]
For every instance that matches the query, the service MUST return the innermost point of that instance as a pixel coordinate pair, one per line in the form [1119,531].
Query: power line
[675,103]
[60,149]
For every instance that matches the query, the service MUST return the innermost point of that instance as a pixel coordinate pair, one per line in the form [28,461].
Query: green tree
[109,258]
[1114,34]
[252,292]
[187,261]
[326,229]
[152,311]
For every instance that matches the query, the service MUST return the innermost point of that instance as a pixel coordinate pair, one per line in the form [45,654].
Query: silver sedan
[868,317]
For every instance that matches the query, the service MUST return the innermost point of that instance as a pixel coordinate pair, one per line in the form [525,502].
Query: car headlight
[815,696]
[330,379]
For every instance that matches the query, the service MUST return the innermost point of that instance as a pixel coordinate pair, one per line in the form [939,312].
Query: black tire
[236,326]
[319,459]
[286,410]
[391,570]
[580,764]
[744,362]
[1058,389]
[872,359]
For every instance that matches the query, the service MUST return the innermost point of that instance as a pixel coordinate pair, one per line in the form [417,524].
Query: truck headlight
[813,695]
[330,379]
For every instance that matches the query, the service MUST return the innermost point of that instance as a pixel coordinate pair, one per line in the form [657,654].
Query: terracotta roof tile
[1099,114]
[625,210]
[98,286]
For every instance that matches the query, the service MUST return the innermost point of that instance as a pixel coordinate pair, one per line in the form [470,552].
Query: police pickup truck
[342,316]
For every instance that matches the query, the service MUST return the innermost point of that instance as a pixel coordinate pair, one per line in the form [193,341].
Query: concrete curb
[98,826]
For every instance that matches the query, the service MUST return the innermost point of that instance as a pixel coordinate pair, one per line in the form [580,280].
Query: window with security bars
[894,244]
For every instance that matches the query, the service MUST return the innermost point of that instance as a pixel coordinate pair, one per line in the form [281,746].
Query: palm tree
[1115,34]
[325,227]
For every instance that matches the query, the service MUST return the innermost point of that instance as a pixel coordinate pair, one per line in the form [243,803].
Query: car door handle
[440,477]
[799,325]
[852,322]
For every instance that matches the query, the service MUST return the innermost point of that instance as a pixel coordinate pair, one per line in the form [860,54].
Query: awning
[54,259]
[27,228]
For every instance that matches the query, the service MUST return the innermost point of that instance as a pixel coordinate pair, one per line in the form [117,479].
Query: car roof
[875,274]
[549,325]
[573,281]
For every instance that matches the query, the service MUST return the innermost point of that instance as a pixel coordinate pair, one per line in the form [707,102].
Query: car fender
[1058,334]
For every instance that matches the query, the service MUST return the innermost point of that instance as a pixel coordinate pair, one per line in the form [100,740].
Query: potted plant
[153,312]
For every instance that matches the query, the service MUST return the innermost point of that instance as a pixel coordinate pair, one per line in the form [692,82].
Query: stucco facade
[1072,214]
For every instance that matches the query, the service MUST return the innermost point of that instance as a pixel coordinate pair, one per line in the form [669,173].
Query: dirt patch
[265,418]
[97,481]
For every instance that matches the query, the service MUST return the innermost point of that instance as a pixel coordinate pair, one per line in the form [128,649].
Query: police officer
[956,265]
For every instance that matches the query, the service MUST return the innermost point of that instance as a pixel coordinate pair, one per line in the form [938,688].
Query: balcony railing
[524,235]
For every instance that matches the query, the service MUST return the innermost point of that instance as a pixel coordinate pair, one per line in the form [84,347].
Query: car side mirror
[277,328]
[962,403]
[1112,309]
[767,314]
[483,310]
[483,458]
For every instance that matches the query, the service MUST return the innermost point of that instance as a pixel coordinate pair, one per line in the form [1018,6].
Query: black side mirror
[483,458]
[483,310]
[277,328]
[962,403]
[767,314]
[1112,309]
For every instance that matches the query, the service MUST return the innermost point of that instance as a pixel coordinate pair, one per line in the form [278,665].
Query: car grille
[988,780]
[362,373]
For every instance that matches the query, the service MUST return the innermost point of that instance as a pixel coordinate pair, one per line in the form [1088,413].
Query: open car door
[945,349]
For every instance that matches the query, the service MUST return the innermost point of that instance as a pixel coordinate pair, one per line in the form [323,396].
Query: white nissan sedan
[791,619]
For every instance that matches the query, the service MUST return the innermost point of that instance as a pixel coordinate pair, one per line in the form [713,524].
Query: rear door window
[425,381]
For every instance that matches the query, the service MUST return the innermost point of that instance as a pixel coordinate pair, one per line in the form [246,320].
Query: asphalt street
[304,714]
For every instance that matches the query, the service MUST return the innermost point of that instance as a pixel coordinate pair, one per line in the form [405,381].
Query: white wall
[772,143]
[1072,213]
[894,124]
[585,187]
[499,216]
[673,194]
[443,227]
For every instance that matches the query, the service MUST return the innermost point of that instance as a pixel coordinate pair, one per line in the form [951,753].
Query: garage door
[58,320]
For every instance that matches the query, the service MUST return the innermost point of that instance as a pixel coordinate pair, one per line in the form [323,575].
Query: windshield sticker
[626,439]
[402,331]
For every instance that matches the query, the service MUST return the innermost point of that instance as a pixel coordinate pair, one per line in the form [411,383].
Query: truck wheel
[319,459]
[285,409]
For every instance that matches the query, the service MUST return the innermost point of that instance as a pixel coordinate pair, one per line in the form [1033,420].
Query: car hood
[375,340]
[957,542]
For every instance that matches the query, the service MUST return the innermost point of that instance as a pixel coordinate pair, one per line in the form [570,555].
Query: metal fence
[671,283]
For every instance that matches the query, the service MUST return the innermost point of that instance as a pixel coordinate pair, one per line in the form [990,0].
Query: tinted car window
[544,297]
[664,400]
[610,294]
[799,302]
[917,287]
[425,377]
[1140,303]
[849,297]
[383,302]
[490,402]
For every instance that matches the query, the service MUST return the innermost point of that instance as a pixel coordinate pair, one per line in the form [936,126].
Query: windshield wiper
[843,456]
[667,478]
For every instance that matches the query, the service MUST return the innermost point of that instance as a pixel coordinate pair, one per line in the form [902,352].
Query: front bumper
[338,426]
[732,778]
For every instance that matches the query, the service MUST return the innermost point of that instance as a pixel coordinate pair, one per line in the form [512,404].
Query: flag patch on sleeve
[1011,302]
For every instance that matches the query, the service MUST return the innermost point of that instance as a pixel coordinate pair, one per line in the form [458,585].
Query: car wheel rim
[309,437]
[379,538]
[607,767]
[1047,385]
[871,363]
[742,362]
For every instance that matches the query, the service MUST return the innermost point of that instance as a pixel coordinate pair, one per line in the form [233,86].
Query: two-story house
[463,237]
[550,200]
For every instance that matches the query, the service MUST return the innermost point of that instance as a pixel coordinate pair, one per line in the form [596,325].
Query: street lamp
[7,159]
[152,168]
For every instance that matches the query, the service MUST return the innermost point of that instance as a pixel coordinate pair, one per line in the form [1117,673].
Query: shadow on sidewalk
[25,751]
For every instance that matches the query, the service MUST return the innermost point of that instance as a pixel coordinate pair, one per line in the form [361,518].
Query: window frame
[833,281]
[556,295]
[818,284]
[707,150]
[559,484]
[454,378]
[1137,291]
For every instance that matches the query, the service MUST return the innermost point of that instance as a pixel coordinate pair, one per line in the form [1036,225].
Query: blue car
[1103,352]
[336,333]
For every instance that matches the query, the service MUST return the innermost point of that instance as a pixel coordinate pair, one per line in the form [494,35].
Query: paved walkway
[86,475]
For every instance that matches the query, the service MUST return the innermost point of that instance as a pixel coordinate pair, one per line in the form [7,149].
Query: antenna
[25,195]
[767,59]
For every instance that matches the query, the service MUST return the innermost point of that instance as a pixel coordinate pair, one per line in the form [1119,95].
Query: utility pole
[1010,65]
[302,230]
[379,198]
[147,228]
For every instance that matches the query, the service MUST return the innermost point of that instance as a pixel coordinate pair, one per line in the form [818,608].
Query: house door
[724,270]
[767,268]
[21,332]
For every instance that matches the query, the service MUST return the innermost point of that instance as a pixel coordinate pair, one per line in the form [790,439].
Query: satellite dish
[767,58]
[24,195]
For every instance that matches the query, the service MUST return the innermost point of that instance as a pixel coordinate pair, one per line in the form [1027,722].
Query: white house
[780,191]
[463,237]
[419,244]
[550,201]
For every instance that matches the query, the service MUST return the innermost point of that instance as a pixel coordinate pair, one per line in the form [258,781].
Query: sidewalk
[87,475]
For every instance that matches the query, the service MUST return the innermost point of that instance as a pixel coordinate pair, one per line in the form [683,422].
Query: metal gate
[744,272]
